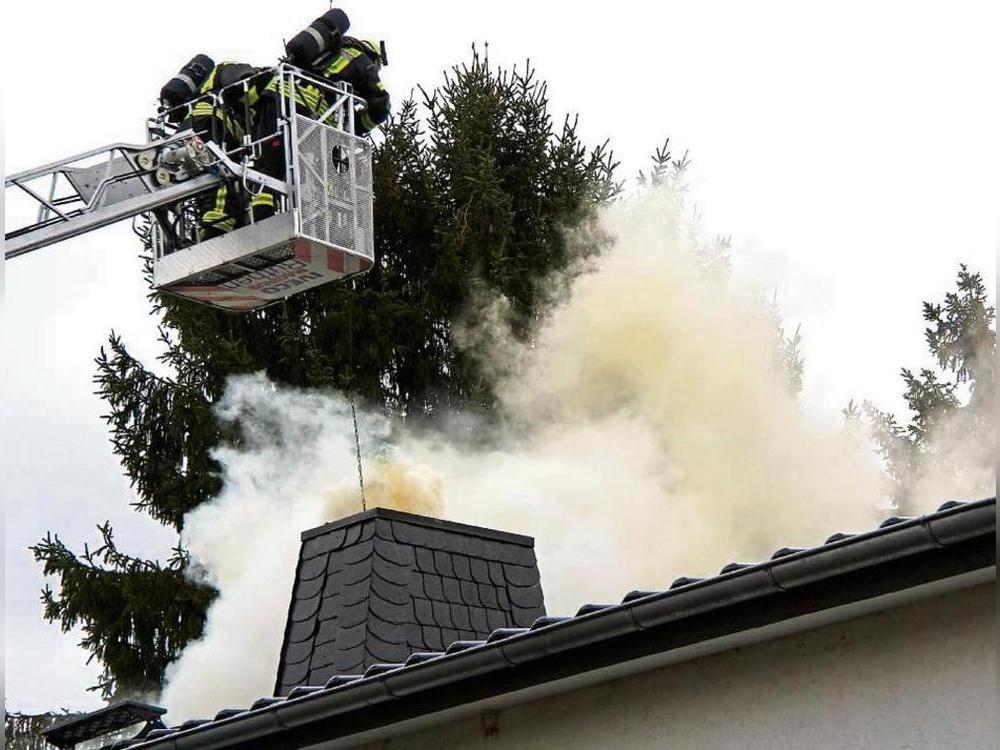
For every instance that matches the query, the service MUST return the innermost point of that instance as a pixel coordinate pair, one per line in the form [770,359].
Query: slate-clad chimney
[380,585]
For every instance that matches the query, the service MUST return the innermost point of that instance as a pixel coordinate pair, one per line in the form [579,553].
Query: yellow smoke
[647,432]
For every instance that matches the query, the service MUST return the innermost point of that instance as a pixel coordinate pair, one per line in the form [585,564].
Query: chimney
[380,585]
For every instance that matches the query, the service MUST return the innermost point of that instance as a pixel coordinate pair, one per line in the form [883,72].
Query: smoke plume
[648,431]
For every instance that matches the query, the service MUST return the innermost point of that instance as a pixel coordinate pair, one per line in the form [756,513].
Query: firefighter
[224,119]
[358,64]
[221,112]
[321,40]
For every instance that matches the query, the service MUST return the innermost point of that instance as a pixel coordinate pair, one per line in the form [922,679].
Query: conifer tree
[951,430]
[476,195]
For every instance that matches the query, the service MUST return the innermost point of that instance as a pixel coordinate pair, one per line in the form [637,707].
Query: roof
[902,554]
[376,586]
[102,721]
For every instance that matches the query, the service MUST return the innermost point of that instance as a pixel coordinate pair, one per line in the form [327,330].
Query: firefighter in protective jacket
[224,119]
[205,96]
[358,64]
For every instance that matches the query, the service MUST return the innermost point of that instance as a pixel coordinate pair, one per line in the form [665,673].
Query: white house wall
[921,676]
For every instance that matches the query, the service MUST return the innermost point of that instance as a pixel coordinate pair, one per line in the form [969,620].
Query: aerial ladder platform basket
[321,231]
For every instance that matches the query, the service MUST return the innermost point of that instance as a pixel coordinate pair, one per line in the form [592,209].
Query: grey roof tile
[443,564]
[383,529]
[294,674]
[525,597]
[477,618]
[460,616]
[684,581]
[419,657]
[264,702]
[311,568]
[310,588]
[496,619]
[501,634]
[300,631]
[893,520]
[358,552]
[423,611]
[470,593]
[525,616]
[341,679]
[320,675]
[425,559]
[354,592]
[488,596]
[323,544]
[733,567]
[330,608]
[451,588]
[432,585]
[353,535]
[785,552]
[349,637]
[383,609]
[837,537]
[305,608]
[589,609]
[388,590]
[355,614]
[377,669]
[302,690]
[326,632]
[395,554]
[544,622]
[520,575]
[496,573]
[457,646]
[432,637]
[299,652]
[463,569]
[386,651]
[442,614]
[479,570]
[325,654]
[631,596]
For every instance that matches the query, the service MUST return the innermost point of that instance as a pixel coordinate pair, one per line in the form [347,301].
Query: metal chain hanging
[350,394]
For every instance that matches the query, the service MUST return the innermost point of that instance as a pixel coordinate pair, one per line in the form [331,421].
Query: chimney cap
[418,520]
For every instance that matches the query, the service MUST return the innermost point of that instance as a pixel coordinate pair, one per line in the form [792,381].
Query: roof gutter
[900,555]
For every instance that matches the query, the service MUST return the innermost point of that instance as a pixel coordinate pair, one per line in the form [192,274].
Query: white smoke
[294,471]
[647,433]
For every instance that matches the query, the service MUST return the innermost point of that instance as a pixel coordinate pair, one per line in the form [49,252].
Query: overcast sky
[848,148]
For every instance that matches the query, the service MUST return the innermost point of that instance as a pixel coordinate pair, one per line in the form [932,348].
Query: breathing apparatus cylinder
[187,83]
[318,39]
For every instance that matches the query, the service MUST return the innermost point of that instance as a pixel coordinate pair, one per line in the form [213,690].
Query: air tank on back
[187,83]
[321,38]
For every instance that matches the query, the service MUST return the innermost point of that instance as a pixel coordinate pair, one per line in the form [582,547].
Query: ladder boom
[99,187]
[57,231]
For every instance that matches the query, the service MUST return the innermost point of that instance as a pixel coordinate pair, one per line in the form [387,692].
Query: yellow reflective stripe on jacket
[209,82]
[217,212]
[262,199]
[307,95]
[341,61]
[207,109]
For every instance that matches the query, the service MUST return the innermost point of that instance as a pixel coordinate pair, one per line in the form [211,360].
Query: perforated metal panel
[334,188]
